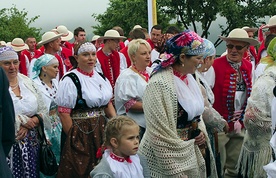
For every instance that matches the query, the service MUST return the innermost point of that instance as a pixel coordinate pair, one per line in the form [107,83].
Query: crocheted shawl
[256,151]
[167,154]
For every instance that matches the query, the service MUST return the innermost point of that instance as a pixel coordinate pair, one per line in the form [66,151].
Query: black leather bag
[47,160]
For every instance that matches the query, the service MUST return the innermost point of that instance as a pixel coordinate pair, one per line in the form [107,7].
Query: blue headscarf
[43,60]
[210,49]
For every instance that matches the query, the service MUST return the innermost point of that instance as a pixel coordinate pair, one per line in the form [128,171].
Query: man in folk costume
[32,51]
[271,30]
[19,46]
[51,45]
[231,89]
[112,63]
[252,53]
[66,47]
[154,40]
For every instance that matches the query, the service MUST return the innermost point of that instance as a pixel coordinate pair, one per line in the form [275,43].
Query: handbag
[47,160]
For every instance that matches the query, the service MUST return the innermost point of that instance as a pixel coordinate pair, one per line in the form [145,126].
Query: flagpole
[152,15]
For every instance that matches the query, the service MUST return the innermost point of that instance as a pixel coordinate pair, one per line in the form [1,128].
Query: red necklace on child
[119,158]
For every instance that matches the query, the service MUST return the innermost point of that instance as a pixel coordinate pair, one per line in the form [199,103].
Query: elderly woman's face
[141,59]
[10,67]
[192,63]
[51,70]
[87,60]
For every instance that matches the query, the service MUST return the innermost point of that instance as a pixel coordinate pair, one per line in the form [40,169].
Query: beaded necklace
[52,91]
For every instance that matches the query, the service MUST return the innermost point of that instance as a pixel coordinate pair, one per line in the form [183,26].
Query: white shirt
[27,105]
[130,85]
[189,96]
[125,169]
[95,90]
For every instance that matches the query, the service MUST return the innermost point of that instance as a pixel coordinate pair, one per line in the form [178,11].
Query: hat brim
[268,26]
[251,29]
[251,41]
[67,37]
[16,48]
[111,37]
[50,39]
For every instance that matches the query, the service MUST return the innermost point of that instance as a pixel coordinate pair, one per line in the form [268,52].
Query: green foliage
[126,14]
[14,23]
[200,14]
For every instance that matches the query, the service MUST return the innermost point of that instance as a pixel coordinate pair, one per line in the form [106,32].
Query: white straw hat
[18,44]
[95,37]
[248,29]
[66,34]
[112,34]
[271,22]
[137,26]
[239,34]
[48,37]
[3,43]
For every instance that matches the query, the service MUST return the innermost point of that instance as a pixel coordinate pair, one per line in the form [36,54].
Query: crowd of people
[157,104]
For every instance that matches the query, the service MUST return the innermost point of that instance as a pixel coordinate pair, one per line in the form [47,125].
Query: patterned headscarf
[270,59]
[7,53]
[210,49]
[44,60]
[187,42]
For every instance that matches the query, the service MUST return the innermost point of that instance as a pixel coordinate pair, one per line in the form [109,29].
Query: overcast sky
[52,13]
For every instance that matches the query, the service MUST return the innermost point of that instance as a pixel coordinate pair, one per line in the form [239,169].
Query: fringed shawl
[256,151]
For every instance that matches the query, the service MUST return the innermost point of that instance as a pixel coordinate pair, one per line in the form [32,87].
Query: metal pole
[150,17]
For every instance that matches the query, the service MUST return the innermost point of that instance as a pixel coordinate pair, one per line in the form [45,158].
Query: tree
[237,13]
[14,23]
[126,14]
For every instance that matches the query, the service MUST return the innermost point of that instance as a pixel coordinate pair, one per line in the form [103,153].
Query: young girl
[120,159]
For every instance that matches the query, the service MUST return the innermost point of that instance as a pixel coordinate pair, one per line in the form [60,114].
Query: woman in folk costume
[256,150]
[83,99]
[270,169]
[46,70]
[213,120]
[172,102]
[132,82]
[28,103]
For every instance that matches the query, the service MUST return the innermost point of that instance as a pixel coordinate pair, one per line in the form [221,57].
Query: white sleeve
[67,93]
[30,69]
[123,63]
[98,67]
[154,55]
[210,77]
[126,89]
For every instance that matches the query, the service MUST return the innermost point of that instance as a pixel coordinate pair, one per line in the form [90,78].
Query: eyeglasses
[238,47]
